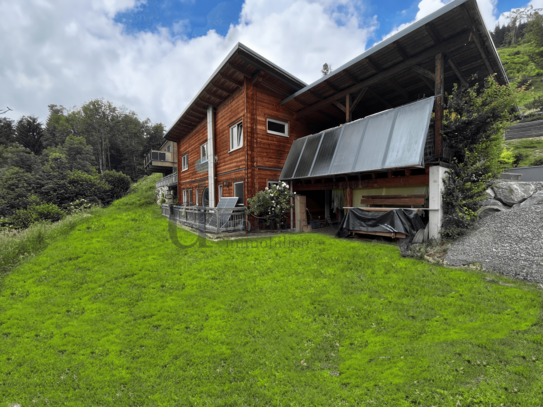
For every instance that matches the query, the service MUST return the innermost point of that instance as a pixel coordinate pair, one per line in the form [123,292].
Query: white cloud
[68,52]
[426,7]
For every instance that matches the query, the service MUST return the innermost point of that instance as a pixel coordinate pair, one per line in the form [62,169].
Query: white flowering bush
[272,204]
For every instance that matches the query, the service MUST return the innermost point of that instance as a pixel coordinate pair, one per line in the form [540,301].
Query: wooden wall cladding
[271,150]
[227,114]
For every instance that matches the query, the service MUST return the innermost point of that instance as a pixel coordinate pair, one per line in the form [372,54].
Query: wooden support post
[348,197]
[348,108]
[440,94]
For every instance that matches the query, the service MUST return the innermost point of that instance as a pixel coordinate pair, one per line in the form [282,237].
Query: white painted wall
[437,174]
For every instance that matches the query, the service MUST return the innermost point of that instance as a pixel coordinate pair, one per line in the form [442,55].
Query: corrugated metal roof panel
[391,139]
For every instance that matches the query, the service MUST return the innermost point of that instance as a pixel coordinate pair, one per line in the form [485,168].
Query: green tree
[15,190]
[7,131]
[15,155]
[474,124]
[29,133]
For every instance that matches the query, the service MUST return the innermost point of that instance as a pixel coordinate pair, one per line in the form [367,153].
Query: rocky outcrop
[505,195]
[511,193]
[535,199]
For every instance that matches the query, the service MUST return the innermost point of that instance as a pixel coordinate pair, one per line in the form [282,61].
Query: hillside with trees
[520,46]
[79,157]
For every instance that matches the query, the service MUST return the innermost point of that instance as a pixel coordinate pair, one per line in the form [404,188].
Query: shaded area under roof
[401,69]
[391,139]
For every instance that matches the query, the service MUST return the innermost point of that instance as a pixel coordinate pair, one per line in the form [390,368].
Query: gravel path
[509,243]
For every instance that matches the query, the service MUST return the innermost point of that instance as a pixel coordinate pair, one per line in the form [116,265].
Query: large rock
[490,193]
[492,202]
[511,193]
[535,199]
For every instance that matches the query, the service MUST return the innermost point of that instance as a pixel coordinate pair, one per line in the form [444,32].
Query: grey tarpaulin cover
[396,220]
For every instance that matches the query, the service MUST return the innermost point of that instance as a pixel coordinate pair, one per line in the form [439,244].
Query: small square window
[185,162]
[270,183]
[277,127]
[236,136]
[203,152]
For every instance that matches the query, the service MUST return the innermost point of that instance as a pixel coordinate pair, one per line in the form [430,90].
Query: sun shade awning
[394,138]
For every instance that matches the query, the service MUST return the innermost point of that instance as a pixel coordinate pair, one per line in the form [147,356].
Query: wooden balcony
[159,161]
[167,181]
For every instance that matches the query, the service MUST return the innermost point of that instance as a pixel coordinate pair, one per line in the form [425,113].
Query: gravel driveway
[509,243]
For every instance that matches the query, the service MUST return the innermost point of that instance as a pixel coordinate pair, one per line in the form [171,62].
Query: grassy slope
[521,66]
[531,149]
[114,314]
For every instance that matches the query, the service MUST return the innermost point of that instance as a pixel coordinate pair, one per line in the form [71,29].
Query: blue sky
[204,15]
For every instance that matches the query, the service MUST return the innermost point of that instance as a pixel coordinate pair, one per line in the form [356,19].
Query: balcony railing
[157,156]
[167,181]
[205,219]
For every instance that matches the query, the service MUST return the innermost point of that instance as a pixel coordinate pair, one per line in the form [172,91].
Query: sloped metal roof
[394,138]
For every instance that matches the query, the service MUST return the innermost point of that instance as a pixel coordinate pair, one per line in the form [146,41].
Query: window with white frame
[236,136]
[184,197]
[190,196]
[277,127]
[238,191]
[185,162]
[203,152]
[196,196]
[270,183]
[220,191]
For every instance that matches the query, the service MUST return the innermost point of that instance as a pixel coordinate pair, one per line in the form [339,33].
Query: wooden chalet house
[234,137]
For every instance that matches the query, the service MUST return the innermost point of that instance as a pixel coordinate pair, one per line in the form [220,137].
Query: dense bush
[272,204]
[85,186]
[474,124]
[23,218]
[15,190]
[119,183]
[538,161]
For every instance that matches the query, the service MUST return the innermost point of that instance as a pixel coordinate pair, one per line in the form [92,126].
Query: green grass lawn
[113,314]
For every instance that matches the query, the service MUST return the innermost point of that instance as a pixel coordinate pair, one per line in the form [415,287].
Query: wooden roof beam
[401,52]
[399,88]
[231,80]
[477,38]
[216,95]
[424,72]
[239,70]
[431,31]
[448,45]
[230,92]
[380,99]
[208,101]
[358,98]
[456,70]
[349,76]
[429,83]
[257,77]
